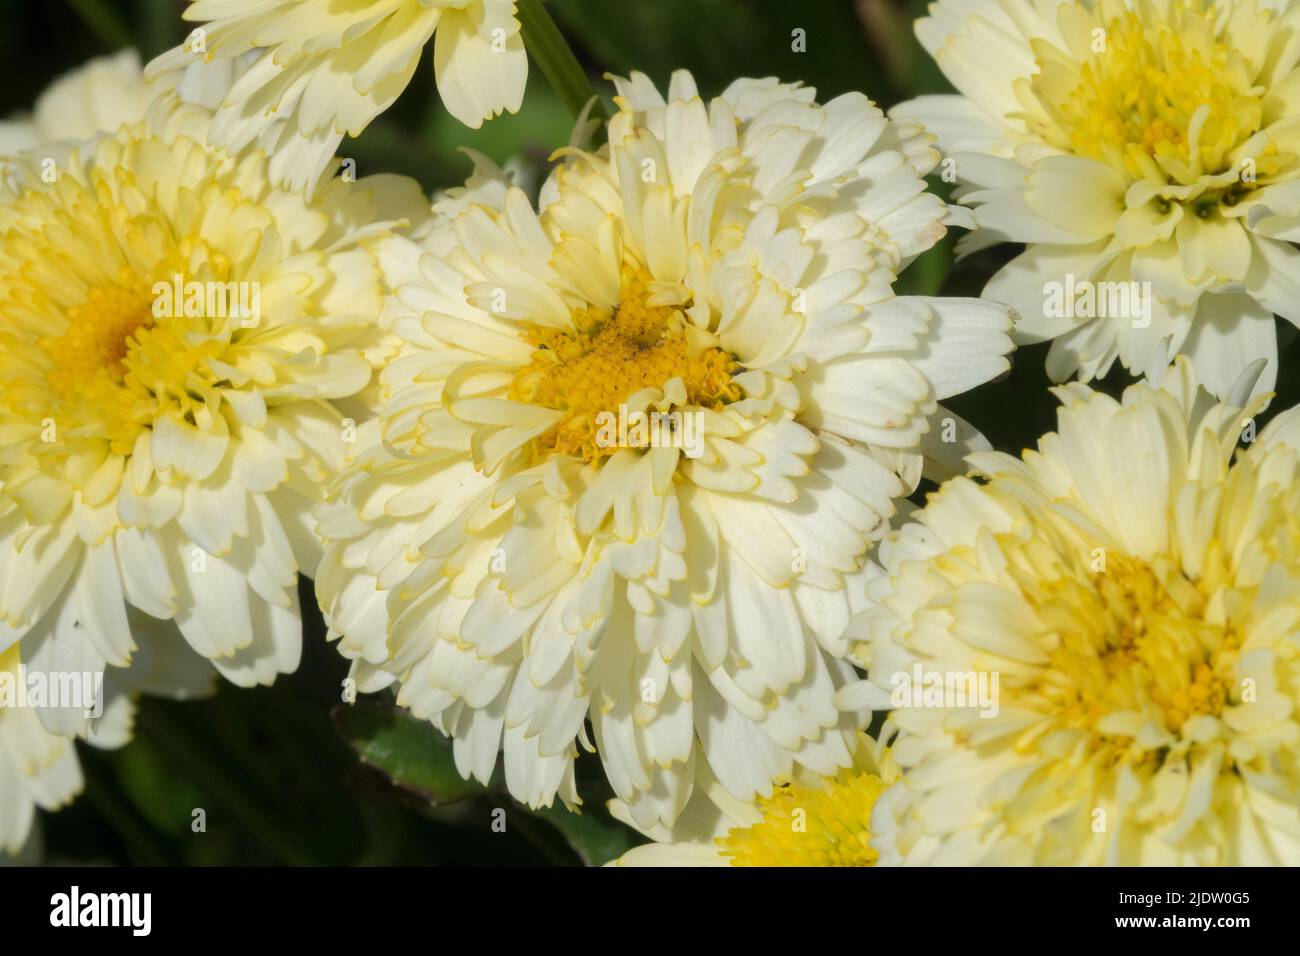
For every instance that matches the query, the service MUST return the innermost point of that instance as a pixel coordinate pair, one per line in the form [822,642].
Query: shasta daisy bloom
[1148,155]
[1135,590]
[639,443]
[173,330]
[805,821]
[321,69]
[39,768]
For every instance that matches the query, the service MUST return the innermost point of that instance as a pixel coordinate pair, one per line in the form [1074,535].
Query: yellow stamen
[823,825]
[607,358]
[1167,97]
[1133,636]
[98,334]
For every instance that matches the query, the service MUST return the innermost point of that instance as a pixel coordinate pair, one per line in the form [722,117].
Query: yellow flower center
[1162,99]
[823,825]
[589,371]
[86,365]
[1133,637]
[111,368]
[97,336]
[86,361]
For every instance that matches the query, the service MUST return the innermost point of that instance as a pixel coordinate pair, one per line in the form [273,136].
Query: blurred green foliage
[280,780]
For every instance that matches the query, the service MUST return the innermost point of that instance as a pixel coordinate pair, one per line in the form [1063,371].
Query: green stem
[121,817]
[102,22]
[552,54]
[192,755]
[161,26]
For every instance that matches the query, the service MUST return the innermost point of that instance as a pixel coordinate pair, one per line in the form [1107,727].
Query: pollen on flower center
[99,331]
[108,366]
[608,357]
[1158,99]
[821,825]
[1134,637]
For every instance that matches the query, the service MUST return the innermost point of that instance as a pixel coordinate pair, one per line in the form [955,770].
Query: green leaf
[417,758]
[409,751]
[594,835]
[547,48]
[161,28]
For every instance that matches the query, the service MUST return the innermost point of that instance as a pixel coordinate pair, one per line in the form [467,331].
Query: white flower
[1152,142]
[1132,596]
[174,331]
[38,767]
[521,562]
[320,69]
